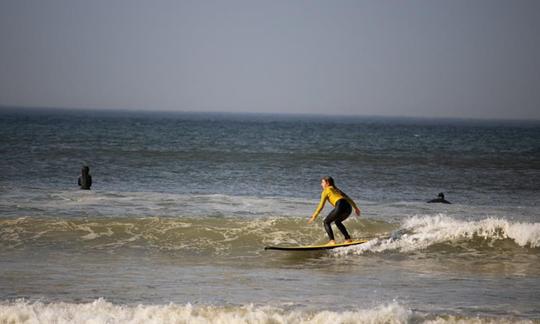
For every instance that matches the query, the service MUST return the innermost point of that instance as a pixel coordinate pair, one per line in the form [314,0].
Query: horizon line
[283,114]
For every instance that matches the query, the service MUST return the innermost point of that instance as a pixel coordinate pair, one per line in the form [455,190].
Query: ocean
[183,204]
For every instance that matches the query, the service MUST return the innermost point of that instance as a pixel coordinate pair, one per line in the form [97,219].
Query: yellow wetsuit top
[333,195]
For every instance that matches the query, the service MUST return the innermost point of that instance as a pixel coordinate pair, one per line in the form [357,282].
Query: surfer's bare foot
[348,241]
[331,242]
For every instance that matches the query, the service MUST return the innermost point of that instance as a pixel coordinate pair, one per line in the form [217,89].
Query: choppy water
[182,205]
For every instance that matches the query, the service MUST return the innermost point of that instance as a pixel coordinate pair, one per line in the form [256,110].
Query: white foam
[420,232]
[101,311]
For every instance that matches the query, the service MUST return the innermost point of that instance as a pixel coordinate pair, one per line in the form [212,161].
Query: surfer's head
[441,195]
[327,182]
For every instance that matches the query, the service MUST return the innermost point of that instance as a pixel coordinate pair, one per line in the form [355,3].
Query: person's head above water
[439,199]
[85,169]
[327,182]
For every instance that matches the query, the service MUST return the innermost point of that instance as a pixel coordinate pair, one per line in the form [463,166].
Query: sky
[431,58]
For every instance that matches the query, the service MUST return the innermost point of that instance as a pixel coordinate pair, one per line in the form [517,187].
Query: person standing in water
[85,180]
[343,208]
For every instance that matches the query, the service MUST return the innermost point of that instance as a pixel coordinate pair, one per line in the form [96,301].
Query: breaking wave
[422,232]
[230,236]
[102,311]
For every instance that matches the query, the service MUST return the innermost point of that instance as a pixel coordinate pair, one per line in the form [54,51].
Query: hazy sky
[474,58]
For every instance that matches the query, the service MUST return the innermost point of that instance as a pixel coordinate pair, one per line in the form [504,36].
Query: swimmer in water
[343,208]
[440,199]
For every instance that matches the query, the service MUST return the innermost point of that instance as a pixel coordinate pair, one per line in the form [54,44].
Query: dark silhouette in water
[440,199]
[85,180]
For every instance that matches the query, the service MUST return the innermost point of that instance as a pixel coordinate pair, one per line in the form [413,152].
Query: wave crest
[421,232]
[241,236]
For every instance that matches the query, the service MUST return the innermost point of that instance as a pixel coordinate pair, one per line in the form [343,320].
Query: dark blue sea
[183,204]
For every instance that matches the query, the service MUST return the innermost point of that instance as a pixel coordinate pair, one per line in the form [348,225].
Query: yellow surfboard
[314,247]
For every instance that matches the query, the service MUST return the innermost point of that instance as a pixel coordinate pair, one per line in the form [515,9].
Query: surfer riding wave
[343,206]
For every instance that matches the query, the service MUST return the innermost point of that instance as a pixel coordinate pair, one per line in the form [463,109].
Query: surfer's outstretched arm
[324,196]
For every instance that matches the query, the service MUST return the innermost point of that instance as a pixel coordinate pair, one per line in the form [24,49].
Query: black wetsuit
[85,180]
[439,200]
[340,213]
